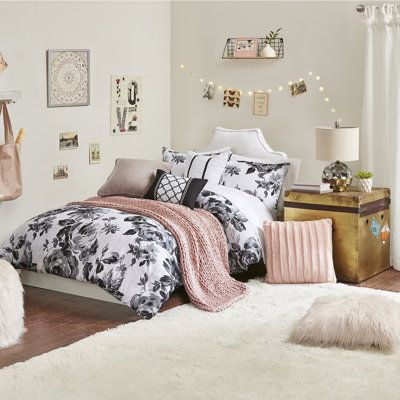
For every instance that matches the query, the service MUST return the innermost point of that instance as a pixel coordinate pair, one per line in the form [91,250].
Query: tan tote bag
[10,165]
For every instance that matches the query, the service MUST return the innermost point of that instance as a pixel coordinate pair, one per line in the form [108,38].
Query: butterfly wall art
[231,98]
[126,104]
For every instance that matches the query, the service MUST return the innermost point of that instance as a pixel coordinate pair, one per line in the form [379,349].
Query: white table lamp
[339,143]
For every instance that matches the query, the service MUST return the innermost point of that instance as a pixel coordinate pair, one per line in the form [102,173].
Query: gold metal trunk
[359,246]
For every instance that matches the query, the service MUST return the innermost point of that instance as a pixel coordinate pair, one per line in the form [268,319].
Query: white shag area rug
[185,353]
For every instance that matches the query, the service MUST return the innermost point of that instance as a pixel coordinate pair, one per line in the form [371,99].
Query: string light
[280,88]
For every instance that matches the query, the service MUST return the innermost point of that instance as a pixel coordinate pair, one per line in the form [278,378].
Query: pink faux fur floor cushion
[202,248]
[299,252]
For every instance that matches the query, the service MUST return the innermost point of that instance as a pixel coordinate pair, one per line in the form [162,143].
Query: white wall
[127,37]
[322,37]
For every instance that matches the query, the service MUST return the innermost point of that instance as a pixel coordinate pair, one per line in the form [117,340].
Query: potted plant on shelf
[364,181]
[268,51]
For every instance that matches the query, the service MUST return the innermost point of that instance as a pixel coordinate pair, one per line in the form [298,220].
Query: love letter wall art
[126,104]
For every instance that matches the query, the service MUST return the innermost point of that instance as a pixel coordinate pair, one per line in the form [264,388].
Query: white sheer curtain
[380,134]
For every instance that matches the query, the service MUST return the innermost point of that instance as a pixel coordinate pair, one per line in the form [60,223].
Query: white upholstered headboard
[244,142]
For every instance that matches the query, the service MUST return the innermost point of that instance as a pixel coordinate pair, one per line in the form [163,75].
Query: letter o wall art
[126,104]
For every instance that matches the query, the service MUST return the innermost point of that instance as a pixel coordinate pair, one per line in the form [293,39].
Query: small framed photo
[94,153]
[246,47]
[60,172]
[260,103]
[298,88]
[68,140]
[68,78]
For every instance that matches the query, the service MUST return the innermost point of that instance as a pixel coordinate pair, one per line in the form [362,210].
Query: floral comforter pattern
[132,257]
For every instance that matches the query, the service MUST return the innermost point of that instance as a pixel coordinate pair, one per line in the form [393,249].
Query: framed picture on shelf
[260,103]
[68,78]
[246,48]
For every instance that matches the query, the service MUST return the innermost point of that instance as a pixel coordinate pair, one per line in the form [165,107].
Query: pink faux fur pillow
[299,252]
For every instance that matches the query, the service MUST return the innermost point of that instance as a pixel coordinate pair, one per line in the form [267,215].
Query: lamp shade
[337,144]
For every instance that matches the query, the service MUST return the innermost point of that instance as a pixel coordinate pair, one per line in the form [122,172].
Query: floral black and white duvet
[132,257]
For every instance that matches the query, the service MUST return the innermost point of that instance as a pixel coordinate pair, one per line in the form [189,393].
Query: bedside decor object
[68,140]
[68,78]
[94,153]
[268,51]
[126,104]
[246,47]
[357,220]
[364,181]
[231,98]
[260,103]
[312,188]
[299,252]
[3,63]
[351,321]
[334,144]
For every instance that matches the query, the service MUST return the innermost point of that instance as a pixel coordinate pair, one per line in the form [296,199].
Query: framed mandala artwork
[68,78]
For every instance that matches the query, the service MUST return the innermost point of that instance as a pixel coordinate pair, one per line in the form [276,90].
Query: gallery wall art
[68,140]
[68,78]
[126,104]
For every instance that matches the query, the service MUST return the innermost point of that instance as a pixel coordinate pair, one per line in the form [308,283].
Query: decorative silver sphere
[338,175]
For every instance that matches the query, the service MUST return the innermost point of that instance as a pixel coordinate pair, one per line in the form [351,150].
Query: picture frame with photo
[68,140]
[246,47]
[260,103]
[60,172]
[68,77]
[297,88]
[94,153]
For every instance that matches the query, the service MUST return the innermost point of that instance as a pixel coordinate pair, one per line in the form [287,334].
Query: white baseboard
[64,285]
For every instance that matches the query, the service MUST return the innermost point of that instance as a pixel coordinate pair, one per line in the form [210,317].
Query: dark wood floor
[55,319]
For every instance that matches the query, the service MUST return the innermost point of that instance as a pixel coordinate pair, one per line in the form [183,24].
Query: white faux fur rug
[185,353]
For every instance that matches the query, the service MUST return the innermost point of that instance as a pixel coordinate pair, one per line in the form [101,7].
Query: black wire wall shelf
[276,44]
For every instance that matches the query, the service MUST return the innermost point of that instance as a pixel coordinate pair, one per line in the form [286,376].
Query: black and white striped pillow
[210,167]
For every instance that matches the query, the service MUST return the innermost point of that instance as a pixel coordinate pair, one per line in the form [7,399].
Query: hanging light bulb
[210,83]
[310,73]
[280,88]
[201,80]
[317,78]
[333,110]
[269,91]
[290,83]
[182,66]
[249,92]
[301,80]
[220,87]
[321,89]
[326,99]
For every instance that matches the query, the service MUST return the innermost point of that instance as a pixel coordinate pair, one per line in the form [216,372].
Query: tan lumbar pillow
[132,178]
[350,321]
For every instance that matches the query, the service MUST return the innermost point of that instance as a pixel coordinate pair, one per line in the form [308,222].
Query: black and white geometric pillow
[262,180]
[175,189]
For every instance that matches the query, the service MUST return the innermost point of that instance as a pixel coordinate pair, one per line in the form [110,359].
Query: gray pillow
[132,178]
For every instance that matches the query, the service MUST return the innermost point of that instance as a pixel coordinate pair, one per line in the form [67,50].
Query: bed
[134,258]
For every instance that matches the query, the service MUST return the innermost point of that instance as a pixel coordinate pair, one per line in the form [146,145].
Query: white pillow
[290,178]
[206,167]
[211,152]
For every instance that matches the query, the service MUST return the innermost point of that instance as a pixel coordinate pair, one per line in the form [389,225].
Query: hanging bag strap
[8,132]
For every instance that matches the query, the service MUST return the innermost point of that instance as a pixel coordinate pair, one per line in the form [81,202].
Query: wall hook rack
[10,96]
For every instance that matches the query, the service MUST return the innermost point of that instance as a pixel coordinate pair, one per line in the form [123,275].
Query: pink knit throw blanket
[202,248]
